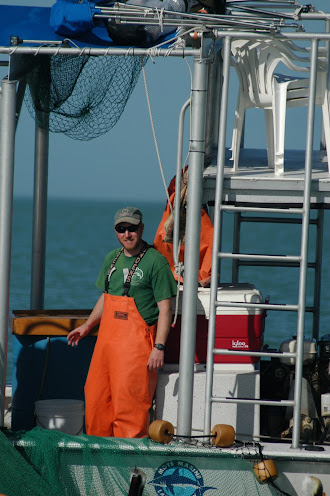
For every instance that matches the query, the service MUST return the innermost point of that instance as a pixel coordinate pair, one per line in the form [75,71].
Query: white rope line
[152,52]
[13,51]
[179,267]
[108,51]
[129,49]
[72,43]
[154,136]
[173,39]
[81,50]
[176,311]
[191,77]
[56,53]
[37,50]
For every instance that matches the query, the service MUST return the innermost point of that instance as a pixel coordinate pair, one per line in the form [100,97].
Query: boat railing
[300,259]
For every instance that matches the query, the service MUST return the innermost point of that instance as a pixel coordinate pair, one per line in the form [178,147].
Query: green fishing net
[81,96]
[47,463]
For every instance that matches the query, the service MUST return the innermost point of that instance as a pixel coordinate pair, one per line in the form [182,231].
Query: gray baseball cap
[132,215]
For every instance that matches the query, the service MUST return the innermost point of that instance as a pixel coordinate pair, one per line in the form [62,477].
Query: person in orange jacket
[134,312]
[163,240]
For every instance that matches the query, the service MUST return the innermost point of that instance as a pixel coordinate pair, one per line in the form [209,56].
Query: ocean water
[80,233]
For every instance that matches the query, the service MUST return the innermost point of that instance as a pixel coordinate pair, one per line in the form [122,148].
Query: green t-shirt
[152,281]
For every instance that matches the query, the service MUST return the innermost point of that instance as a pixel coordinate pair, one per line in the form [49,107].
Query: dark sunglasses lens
[122,229]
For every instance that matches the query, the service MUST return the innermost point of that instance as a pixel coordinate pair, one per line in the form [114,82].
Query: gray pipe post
[211,105]
[178,178]
[7,152]
[304,248]
[192,244]
[39,218]
[217,233]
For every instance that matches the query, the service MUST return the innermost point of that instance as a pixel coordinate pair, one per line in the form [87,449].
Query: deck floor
[255,184]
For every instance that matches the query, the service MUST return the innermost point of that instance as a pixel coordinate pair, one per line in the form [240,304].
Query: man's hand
[156,359]
[75,336]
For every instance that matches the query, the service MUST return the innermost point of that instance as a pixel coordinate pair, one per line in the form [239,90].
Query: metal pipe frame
[51,50]
[304,247]
[7,151]
[217,231]
[217,102]
[236,246]
[276,220]
[177,198]
[270,258]
[327,48]
[40,193]
[233,208]
[264,306]
[192,243]
[283,36]
[38,263]
[318,273]
[254,401]
[275,354]
[211,104]
[159,52]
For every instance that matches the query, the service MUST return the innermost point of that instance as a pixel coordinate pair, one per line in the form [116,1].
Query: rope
[178,270]
[179,266]
[271,480]
[154,135]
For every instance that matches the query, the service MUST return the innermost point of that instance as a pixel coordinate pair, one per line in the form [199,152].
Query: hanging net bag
[80,96]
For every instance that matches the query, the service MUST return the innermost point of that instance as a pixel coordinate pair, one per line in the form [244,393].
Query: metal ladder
[298,260]
[315,265]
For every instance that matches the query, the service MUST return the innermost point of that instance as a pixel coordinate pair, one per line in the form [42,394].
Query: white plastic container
[64,415]
[239,293]
[325,405]
[289,345]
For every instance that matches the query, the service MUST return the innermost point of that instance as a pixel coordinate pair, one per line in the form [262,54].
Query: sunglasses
[131,228]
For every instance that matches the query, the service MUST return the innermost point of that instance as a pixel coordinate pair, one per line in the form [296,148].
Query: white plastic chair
[259,87]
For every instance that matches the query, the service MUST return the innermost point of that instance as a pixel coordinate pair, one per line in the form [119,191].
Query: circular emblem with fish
[179,478]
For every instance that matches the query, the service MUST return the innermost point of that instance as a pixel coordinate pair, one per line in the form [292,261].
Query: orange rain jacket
[164,243]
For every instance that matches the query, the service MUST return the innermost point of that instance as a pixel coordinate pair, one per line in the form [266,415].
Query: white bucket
[63,415]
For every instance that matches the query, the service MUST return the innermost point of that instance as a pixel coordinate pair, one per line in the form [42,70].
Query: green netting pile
[81,96]
[48,463]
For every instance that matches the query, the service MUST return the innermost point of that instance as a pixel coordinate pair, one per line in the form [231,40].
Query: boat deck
[255,184]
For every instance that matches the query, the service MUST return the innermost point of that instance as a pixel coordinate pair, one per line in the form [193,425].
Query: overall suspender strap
[107,279]
[127,283]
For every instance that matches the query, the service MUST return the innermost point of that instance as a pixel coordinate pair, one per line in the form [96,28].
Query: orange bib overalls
[120,388]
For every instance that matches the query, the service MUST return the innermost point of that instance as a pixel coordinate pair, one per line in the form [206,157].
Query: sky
[123,163]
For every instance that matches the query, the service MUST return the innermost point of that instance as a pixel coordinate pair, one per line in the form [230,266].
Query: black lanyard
[127,283]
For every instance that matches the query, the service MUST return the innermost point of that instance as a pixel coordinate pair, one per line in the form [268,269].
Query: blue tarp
[70,18]
[33,23]
[53,24]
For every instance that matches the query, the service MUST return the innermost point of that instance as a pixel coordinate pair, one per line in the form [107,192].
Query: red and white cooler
[237,328]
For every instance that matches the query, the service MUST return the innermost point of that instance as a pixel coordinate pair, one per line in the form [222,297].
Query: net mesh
[48,462]
[81,96]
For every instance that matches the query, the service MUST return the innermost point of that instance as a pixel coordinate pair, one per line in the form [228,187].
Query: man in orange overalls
[135,313]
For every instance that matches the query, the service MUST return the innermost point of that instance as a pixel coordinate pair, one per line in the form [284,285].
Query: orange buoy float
[223,435]
[161,431]
[265,470]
